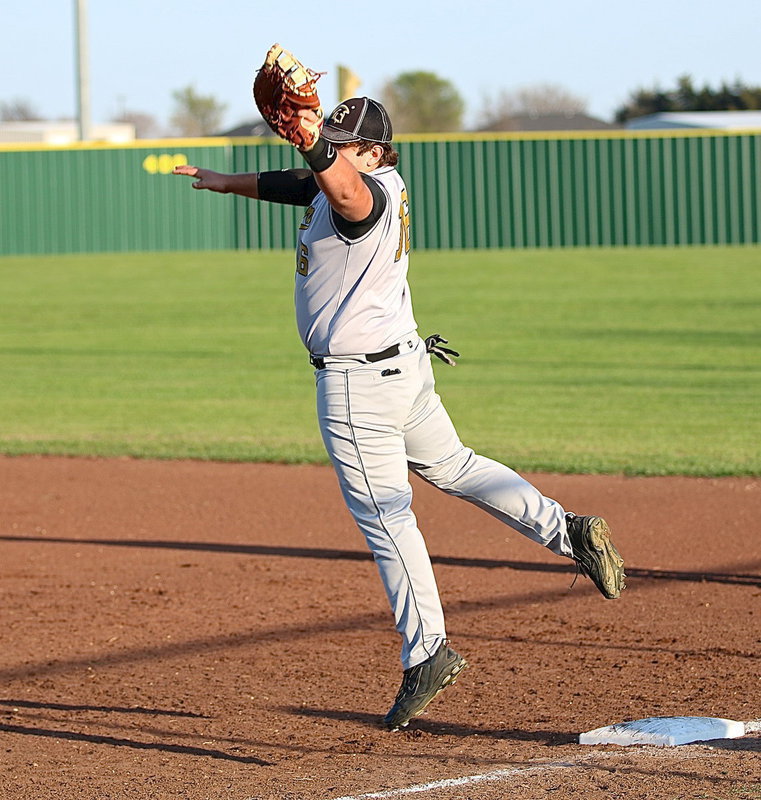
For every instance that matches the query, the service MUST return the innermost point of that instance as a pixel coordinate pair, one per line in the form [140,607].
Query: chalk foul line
[467,780]
[684,751]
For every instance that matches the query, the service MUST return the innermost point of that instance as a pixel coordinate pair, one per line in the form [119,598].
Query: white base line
[468,780]
[501,774]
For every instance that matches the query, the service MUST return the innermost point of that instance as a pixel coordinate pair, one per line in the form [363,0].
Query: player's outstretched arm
[245,184]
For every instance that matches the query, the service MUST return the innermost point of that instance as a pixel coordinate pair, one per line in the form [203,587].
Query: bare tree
[196,114]
[535,100]
[146,126]
[18,110]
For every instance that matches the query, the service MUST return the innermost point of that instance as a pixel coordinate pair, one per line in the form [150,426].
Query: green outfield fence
[466,191]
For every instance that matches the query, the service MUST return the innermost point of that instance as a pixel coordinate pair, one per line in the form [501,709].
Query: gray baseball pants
[380,420]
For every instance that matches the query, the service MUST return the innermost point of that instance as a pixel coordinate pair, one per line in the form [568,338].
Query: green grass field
[645,361]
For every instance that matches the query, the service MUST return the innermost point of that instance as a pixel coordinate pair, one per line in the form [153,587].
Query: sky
[141,51]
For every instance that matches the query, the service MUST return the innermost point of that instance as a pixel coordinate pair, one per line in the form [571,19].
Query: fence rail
[506,191]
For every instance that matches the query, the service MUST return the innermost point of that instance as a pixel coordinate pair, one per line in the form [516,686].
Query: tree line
[685,96]
[423,102]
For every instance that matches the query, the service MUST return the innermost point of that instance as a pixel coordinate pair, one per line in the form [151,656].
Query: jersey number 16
[404,227]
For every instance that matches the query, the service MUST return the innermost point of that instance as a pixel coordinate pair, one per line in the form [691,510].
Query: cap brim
[337,136]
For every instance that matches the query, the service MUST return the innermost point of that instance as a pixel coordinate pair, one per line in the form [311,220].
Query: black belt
[318,362]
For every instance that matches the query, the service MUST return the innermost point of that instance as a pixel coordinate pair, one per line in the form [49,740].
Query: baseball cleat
[422,683]
[595,554]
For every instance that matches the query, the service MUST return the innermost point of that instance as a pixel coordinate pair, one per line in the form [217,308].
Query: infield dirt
[206,631]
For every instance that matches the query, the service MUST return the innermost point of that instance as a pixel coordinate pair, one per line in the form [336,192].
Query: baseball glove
[283,87]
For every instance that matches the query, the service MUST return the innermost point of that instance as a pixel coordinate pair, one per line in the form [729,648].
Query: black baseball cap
[355,119]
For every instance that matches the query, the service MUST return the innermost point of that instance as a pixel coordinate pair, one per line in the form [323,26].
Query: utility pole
[83,72]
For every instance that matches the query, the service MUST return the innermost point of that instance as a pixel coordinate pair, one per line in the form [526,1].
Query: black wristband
[321,156]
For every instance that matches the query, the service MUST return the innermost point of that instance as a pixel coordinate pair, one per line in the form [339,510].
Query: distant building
[716,120]
[256,128]
[63,132]
[516,123]
[555,122]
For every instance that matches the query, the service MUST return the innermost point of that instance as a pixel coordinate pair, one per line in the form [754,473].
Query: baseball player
[378,411]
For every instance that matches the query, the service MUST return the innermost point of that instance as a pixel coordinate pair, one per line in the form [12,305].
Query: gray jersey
[352,296]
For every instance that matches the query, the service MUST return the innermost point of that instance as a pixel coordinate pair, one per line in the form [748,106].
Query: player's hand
[311,122]
[207,178]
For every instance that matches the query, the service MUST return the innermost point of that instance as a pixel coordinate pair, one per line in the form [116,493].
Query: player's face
[365,162]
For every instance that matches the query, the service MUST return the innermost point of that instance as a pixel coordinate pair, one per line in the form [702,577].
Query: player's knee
[447,474]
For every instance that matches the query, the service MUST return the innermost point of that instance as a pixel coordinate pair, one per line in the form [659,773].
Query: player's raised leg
[436,453]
